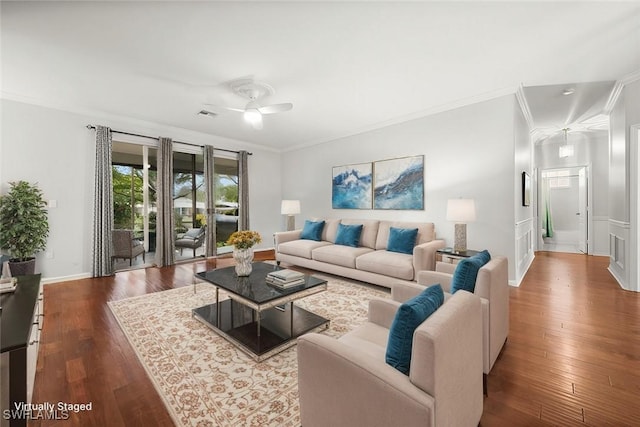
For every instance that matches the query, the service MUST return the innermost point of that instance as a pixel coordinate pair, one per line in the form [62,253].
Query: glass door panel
[133,171]
[188,202]
[226,184]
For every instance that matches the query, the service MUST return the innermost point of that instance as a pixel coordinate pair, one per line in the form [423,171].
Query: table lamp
[290,208]
[461,211]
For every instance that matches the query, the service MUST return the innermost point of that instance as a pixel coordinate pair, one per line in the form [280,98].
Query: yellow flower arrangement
[244,239]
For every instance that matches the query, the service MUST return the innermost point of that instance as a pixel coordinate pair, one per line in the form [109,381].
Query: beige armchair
[492,287]
[126,247]
[346,382]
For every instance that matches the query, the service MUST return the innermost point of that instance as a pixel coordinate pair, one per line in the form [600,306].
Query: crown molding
[613,97]
[137,125]
[631,77]
[487,96]
[617,90]
[524,105]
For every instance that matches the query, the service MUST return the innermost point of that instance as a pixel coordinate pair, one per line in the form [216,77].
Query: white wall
[524,226]
[624,118]
[56,150]
[591,149]
[469,152]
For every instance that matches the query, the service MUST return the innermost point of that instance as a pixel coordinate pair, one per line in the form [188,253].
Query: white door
[583,210]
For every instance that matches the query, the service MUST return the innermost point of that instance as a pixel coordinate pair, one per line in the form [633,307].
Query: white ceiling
[346,67]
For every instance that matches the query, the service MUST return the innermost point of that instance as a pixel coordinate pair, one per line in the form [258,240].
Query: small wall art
[526,189]
[351,186]
[399,183]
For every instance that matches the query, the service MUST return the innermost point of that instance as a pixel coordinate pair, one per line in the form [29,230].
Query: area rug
[205,380]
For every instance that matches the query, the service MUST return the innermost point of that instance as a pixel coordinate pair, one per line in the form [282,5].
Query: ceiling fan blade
[221,109]
[276,108]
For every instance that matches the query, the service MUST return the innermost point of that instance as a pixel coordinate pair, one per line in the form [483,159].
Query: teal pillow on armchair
[466,273]
[408,317]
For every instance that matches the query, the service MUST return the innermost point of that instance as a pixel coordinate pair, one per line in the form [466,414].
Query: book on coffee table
[286,275]
[284,284]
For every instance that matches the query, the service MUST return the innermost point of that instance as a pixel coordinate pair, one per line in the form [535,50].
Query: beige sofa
[492,287]
[346,382]
[370,261]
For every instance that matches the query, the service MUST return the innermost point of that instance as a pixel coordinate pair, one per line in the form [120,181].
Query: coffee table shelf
[259,318]
[238,325]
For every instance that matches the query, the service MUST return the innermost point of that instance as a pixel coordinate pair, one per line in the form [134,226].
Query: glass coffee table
[259,318]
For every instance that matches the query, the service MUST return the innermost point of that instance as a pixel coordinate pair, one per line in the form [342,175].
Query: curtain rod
[156,138]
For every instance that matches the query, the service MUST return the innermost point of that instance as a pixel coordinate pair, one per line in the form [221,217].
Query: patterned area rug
[205,380]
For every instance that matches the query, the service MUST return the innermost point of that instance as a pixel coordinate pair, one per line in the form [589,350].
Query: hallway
[572,356]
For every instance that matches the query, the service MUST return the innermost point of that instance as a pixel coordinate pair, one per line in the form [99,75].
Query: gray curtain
[164,220]
[103,205]
[210,190]
[243,191]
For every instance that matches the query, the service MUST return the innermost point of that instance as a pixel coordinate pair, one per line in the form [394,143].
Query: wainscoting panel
[618,251]
[599,242]
[525,239]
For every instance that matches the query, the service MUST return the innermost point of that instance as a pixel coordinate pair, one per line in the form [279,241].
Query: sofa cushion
[349,235]
[466,272]
[426,232]
[339,254]
[408,317]
[312,230]
[300,248]
[391,264]
[369,231]
[402,240]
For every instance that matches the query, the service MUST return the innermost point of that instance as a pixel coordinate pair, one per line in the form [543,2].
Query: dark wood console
[20,325]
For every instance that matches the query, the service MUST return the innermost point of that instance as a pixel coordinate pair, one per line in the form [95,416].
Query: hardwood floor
[572,357]
[573,353]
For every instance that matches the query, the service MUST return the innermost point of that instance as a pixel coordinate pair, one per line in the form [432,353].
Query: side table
[453,257]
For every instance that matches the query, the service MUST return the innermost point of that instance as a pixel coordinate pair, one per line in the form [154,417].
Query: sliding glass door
[134,168]
[189,204]
[134,197]
[226,185]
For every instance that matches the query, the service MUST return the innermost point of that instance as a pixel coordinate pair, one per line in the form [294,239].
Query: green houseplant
[23,225]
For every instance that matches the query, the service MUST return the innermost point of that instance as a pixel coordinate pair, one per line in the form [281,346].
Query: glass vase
[243,259]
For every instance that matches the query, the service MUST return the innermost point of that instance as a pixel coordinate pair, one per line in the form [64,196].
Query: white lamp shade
[290,207]
[461,210]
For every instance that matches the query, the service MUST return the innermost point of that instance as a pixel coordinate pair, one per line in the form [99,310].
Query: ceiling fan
[253,91]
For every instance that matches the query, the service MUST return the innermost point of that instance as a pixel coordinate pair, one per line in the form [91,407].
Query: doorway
[564,209]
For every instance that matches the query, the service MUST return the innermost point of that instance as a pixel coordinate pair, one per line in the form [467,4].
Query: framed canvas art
[351,186]
[399,183]
[526,189]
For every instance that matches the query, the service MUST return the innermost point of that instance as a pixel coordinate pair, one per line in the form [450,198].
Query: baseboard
[619,279]
[50,280]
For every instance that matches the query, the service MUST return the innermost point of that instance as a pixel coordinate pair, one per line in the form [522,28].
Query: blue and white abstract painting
[399,183]
[351,186]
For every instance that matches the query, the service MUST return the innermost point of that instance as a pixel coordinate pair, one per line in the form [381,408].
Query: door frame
[588,168]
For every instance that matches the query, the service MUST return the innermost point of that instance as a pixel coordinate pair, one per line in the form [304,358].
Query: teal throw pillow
[402,240]
[408,317]
[348,235]
[466,272]
[312,230]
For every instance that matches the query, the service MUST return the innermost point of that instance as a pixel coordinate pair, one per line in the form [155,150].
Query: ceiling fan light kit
[253,91]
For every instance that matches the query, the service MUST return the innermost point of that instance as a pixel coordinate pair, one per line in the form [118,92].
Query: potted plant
[243,242]
[23,226]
